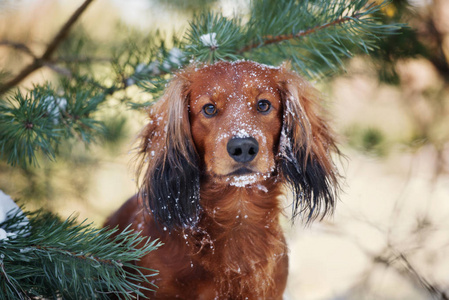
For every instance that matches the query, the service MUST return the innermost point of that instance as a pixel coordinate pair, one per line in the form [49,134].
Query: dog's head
[236,124]
[236,120]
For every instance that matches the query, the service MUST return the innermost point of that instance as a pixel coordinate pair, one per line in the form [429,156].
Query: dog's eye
[209,110]
[263,106]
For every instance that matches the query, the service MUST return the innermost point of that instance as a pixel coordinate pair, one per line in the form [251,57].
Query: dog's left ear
[169,160]
[305,148]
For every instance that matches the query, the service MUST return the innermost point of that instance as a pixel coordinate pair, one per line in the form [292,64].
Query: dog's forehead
[233,78]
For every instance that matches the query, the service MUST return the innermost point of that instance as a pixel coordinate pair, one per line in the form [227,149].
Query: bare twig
[18,46]
[65,30]
[58,69]
[79,59]
[408,270]
[38,62]
[431,288]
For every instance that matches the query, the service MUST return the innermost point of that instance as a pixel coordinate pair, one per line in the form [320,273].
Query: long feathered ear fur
[169,160]
[305,150]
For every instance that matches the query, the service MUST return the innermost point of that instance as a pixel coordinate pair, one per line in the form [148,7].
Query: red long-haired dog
[221,145]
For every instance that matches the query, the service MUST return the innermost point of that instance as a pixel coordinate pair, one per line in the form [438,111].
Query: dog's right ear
[169,160]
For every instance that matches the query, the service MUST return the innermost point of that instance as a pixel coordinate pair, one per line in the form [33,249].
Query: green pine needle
[25,128]
[212,37]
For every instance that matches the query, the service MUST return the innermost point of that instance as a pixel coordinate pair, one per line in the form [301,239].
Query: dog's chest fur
[224,255]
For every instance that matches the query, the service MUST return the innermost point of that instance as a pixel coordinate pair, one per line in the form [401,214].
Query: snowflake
[209,40]
[175,58]
[55,106]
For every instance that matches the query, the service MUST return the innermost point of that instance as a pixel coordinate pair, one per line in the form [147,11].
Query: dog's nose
[243,150]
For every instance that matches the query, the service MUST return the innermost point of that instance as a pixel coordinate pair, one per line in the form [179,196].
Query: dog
[220,148]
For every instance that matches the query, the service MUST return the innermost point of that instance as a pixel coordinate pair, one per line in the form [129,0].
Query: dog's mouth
[243,176]
[241,171]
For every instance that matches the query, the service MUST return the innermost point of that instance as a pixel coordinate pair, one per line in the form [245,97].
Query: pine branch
[38,120]
[38,62]
[55,259]
[269,39]
[313,35]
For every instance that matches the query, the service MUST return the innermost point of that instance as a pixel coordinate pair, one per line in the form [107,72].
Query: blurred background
[389,237]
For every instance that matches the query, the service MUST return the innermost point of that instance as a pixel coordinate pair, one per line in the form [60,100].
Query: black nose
[243,150]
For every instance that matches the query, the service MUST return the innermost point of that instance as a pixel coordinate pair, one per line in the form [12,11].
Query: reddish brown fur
[235,249]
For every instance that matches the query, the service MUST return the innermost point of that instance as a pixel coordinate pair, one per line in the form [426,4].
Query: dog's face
[237,123]
[235,115]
